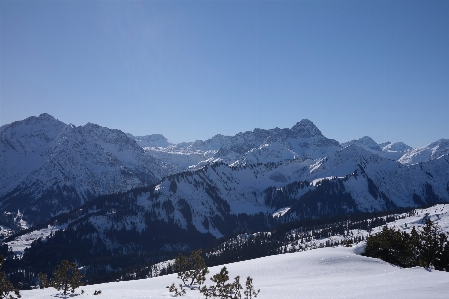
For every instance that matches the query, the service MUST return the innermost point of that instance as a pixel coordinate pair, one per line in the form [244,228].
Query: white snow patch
[281,212]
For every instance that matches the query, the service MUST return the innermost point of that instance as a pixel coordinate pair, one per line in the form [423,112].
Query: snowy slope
[366,142]
[270,152]
[220,199]
[439,214]
[388,178]
[48,167]
[430,152]
[323,273]
[304,140]
[395,150]
[389,150]
[154,140]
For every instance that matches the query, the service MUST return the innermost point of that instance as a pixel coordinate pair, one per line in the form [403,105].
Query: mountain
[396,150]
[432,151]
[154,140]
[366,142]
[269,152]
[121,202]
[190,209]
[303,141]
[49,167]
[389,150]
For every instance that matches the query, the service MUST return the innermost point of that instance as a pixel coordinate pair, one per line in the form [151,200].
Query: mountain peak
[35,123]
[46,116]
[366,142]
[306,129]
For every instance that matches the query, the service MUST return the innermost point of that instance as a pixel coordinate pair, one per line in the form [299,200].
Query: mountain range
[120,197]
[50,167]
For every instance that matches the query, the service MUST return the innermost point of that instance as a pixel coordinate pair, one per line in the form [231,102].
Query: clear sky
[193,69]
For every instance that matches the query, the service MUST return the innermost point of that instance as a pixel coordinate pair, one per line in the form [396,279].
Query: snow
[338,272]
[280,212]
[304,140]
[439,214]
[432,151]
[19,244]
[316,182]
[389,150]
[321,273]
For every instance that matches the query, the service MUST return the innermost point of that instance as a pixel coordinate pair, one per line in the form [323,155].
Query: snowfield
[321,273]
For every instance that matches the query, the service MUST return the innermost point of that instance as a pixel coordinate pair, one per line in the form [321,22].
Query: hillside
[49,167]
[323,273]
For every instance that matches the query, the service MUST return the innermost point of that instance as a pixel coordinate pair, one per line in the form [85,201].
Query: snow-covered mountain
[366,142]
[51,167]
[48,167]
[389,150]
[303,141]
[154,140]
[192,208]
[395,150]
[432,151]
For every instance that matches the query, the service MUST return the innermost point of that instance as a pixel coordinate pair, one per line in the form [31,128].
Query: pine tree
[7,290]
[441,261]
[222,288]
[250,292]
[191,270]
[429,245]
[66,277]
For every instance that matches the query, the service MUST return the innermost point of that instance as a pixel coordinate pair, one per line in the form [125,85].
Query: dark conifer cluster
[427,248]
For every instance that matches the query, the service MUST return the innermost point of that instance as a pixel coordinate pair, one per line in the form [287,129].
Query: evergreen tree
[428,248]
[441,261]
[429,245]
[7,290]
[191,270]
[66,277]
[250,292]
[391,246]
[221,288]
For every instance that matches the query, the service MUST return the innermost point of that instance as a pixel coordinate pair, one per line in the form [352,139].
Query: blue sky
[192,69]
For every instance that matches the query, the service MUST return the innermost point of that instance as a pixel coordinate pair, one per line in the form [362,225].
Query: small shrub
[192,272]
